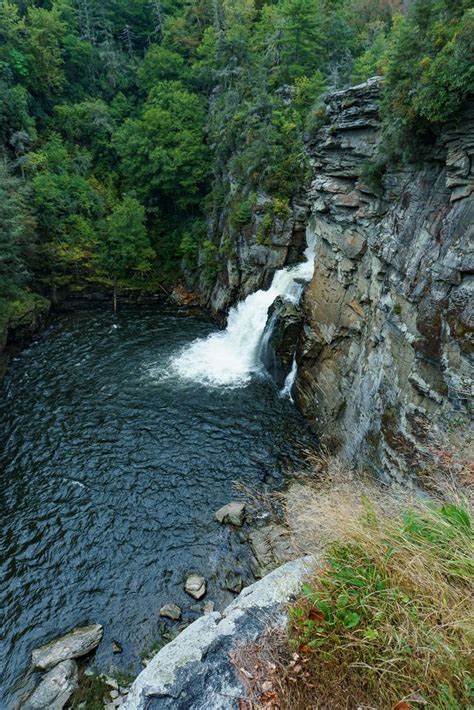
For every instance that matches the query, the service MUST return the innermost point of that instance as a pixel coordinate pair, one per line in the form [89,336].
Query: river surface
[112,465]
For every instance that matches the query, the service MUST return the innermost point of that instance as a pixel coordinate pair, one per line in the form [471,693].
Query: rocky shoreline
[67,661]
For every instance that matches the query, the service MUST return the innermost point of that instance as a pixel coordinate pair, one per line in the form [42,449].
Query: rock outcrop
[272,237]
[55,689]
[75,644]
[195,671]
[285,321]
[389,317]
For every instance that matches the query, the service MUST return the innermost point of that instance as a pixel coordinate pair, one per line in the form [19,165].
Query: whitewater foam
[231,357]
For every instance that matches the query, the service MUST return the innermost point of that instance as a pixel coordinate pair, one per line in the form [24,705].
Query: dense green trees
[124,247]
[145,117]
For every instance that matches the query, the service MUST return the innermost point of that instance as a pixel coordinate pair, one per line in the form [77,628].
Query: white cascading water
[231,357]
[287,388]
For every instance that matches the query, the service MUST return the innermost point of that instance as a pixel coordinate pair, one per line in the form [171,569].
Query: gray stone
[55,688]
[194,672]
[171,611]
[116,647]
[233,582]
[271,546]
[285,321]
[195,585]
[208,607]
[75,644]
[233,513]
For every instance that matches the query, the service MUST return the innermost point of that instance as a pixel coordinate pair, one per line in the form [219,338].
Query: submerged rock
[195,585]
[171,611]
[208,607]
[271,546]
[195,671]
[55,689]
[233,513]
[76,643]
[233,582]
[116,647]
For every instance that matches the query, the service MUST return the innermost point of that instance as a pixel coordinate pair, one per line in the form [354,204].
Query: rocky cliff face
[388,315]
[273,237]
[385,350]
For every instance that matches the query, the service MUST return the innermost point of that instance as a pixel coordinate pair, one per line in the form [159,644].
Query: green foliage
[241,211]
[366,610]
[91,693]
[163,151]
[372,174]
[210,261]
[188,105]
[429,72]
[125,247]
[17,233]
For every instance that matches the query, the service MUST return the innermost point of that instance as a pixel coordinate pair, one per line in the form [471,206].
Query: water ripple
[111,469]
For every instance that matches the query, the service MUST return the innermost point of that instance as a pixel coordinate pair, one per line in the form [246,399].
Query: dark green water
[111,469]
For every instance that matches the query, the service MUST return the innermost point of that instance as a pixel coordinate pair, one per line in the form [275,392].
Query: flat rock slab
[232,514]
[76,643]
[55,688]
[195,585]
[195,672]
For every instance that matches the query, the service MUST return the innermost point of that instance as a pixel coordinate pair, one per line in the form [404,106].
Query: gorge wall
[384,352]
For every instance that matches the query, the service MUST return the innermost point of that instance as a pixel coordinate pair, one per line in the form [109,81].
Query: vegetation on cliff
[385,618]
[189,109]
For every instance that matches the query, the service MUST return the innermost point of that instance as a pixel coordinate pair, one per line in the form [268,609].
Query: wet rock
[195,586]
[75,644]
[171,611]
[208,607]
[285,321]
[233,582]
[116,647]
[233,513]
[55,688]
[384,343]
[271,546]
[195,671]
[182,297]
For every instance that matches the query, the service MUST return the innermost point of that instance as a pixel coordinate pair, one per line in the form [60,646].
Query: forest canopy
[146,113]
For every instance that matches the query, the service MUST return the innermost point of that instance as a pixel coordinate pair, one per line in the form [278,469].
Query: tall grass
[389,619]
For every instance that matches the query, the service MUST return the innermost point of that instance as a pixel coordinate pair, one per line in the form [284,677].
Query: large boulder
[55,689]
[75,644]
[195,671]
[285,321]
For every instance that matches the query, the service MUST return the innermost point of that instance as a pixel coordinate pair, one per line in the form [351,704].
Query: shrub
[210,262]
[241,211]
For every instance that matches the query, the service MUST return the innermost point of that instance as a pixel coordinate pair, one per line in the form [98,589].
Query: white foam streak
[231,357]
[287,388]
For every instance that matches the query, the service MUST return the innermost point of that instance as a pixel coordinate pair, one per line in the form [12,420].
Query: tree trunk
[115,294]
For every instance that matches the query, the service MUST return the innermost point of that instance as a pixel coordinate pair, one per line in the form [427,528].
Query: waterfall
[231,357]
[287,388]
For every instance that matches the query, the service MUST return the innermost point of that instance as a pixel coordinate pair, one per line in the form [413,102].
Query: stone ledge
[194,672]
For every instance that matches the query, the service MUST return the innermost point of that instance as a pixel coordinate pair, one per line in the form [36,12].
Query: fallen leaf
[403,705]
[269,697]
[316,615]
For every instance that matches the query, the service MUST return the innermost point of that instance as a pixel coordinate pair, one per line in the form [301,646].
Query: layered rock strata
[387,342]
